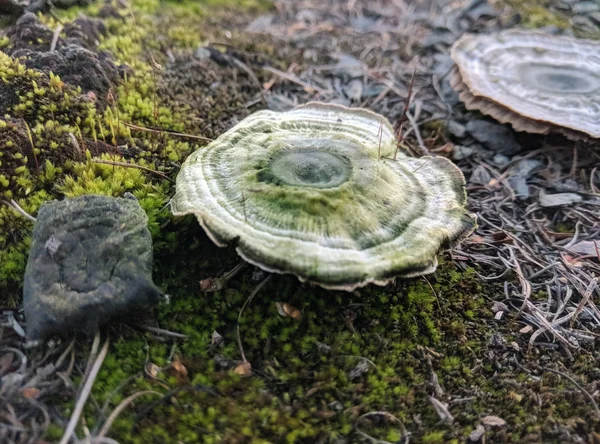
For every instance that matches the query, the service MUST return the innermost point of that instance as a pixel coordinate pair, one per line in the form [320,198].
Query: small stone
[90,262]
[499,306]
[493,421]
[457,129]
[348,66]
[500,160]
[361,368]
[480,176]
[460,152]
[588,248]
[496,137]
[439,37]
[323,348]
[354,89]
[559,199]
[477,434]
[202,53]
[585,7]
[518,175]
[216,338]
[497,341]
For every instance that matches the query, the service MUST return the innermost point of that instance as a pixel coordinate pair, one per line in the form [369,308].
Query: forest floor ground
[499,345]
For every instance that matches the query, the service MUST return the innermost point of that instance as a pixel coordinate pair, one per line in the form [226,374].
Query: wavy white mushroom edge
[317,192]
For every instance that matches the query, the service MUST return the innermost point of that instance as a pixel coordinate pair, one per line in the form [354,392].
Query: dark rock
[90,261]
[85,31]
[8,98]
[496,137]
[76,66]
[12,7]
[28,32]
[73,60]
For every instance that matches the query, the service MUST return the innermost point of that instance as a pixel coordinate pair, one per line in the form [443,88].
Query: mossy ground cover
[387,349]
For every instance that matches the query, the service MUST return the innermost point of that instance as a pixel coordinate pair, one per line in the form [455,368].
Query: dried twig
[85,391]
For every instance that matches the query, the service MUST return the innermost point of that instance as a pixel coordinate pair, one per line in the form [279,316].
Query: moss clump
[536,13]
[348,355]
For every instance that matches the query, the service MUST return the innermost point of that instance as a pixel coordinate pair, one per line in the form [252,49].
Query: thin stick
[132,165]
[115,413]
[294,79]
[576,384]
[15,206]
[57,32]
[161,331]
[237,327]
[30,137]
[433,290]
[405,435]
[85,393]
[415,127]
[171,132]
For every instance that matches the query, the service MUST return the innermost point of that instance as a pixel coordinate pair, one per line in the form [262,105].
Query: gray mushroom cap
[315,192]
[536,82]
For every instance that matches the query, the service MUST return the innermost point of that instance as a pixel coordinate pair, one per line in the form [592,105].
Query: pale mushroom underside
[516,76]
[315,192]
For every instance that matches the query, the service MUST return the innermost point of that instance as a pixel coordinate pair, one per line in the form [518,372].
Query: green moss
[537,14]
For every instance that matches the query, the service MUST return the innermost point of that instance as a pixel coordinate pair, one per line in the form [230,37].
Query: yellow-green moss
[536,13]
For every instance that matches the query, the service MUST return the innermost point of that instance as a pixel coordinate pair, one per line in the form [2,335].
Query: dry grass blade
[15,206]
[237,327]
[576,384]
[131,165]
[167,131]
[292,78]
[85,391]
[405,435]
[584,299]
[122,406]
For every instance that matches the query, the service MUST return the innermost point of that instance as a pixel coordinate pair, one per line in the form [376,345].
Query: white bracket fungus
[538,83]
[315,192]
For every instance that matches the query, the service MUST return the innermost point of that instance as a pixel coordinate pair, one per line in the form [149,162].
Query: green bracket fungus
[538,83]
[316,192]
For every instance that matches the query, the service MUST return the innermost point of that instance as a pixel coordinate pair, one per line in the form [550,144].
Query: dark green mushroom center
[311,168]
[559,79]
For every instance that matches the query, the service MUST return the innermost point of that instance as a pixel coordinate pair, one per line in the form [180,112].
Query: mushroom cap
[303,192]
[516,76]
